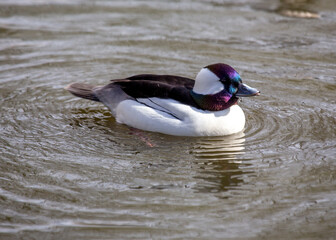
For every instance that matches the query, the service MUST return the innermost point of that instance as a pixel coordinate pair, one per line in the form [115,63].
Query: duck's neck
[214,102]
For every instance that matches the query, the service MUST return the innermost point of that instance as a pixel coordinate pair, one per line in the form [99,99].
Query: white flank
[173,118]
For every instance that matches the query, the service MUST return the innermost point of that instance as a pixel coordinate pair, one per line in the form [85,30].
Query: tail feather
[82,90]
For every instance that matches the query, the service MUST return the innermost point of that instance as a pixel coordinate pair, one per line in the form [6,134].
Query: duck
[175,105]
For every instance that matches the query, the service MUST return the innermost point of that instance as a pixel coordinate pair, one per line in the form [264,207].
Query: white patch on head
[207,83]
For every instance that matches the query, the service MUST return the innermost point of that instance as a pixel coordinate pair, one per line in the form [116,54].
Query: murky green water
[69,171]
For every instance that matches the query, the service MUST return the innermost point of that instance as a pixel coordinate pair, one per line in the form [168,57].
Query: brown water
[69,171]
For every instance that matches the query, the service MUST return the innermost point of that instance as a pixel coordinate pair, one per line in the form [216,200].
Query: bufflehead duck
[174,105]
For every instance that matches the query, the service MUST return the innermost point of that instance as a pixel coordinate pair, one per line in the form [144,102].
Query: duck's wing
[160,86]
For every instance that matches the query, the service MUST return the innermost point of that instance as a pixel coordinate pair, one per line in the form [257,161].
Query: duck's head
[218,86]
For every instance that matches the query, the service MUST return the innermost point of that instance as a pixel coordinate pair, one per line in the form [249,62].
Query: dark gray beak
[246,91]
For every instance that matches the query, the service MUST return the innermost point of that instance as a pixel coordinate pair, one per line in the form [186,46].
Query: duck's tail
[82,90]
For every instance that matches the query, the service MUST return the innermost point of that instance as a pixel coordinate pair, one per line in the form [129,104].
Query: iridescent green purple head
[218,87]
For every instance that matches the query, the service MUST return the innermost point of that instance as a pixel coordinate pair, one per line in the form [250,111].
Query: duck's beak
[246,91]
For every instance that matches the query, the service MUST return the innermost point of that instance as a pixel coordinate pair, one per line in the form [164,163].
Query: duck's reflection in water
[218,164]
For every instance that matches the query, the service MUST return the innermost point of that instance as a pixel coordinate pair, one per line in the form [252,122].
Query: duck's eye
[233,89]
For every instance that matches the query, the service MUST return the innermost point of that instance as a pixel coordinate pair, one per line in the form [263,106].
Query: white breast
[173,118]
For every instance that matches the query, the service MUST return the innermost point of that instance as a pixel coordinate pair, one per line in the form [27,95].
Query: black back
[161,86]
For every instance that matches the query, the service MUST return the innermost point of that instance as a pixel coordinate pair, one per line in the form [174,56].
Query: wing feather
[160,86]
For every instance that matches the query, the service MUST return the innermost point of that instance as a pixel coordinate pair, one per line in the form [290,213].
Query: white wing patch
[155,103]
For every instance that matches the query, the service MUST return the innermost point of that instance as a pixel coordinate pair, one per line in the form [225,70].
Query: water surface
[68,170]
